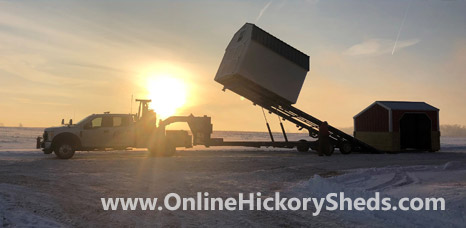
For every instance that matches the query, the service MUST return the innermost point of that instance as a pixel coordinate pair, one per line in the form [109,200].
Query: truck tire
[346,148]
[303,146]
[162,149]
[64,150]
[170,150]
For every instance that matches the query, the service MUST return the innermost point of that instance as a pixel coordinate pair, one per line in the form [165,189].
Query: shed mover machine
[256,66]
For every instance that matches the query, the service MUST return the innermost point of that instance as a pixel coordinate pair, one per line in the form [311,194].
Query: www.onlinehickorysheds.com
[255,201]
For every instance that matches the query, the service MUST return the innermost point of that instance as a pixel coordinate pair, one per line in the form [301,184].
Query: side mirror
[62,121]
[71,122]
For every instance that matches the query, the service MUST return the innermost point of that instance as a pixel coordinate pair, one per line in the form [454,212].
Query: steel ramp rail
[306,121]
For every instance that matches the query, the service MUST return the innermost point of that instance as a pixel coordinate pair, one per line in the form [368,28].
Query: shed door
[415,131]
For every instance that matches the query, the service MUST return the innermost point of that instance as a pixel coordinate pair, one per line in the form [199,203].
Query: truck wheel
[346,148]
[154,151]
[169,151]
[64,150]
[162,150]
[303,146]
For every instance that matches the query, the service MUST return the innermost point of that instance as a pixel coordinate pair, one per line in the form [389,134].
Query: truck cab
[108,131]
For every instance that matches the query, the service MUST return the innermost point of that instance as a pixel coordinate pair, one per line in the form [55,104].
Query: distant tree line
[454,130]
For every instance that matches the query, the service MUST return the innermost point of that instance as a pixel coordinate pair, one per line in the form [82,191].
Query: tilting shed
[399,125]
[257,65]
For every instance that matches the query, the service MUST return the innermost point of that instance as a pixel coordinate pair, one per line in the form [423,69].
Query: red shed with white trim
[399,125]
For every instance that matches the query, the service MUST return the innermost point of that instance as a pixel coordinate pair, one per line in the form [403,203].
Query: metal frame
[310,123]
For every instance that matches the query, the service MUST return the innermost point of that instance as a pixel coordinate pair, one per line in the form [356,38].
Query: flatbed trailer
[201,129]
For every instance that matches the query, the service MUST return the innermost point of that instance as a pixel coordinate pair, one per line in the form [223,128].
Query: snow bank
[446,181]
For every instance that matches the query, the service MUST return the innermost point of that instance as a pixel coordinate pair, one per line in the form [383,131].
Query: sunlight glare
[168,94]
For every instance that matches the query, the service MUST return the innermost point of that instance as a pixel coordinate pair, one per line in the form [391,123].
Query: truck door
[123,132]
[106,138]
[97,133]
[92,134]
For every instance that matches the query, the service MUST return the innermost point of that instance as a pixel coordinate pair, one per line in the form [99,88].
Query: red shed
[399,125]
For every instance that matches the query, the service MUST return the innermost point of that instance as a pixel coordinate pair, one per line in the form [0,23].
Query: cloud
[263,11]
[374,47]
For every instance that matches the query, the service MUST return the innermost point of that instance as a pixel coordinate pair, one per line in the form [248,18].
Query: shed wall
[375,119]
[383,141]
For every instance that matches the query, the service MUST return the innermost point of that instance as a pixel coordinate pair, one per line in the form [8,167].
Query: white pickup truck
[97,131]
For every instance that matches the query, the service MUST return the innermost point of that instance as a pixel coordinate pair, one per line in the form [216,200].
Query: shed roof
[407,105]
[279,46]
[401,105]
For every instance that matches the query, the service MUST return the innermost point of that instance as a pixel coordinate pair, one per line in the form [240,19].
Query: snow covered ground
[19,137]
[447,181]
[40,190]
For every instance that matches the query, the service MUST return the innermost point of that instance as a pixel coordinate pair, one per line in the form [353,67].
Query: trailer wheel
[331,149]
[303,146]
[346,148]
[64,150]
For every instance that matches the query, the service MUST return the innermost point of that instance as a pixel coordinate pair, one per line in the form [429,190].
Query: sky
[69,59]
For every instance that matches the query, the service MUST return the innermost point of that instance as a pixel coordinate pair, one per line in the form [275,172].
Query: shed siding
[373,119]
[398,114]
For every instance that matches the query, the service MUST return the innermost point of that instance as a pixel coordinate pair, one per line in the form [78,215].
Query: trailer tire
[64,149]
[330,150]
[303,146]
[346,148]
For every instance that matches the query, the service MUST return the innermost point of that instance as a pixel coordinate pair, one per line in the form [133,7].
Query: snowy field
[40,190]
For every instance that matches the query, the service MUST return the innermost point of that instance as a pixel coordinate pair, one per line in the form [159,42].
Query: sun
[169,85]
[168,94]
